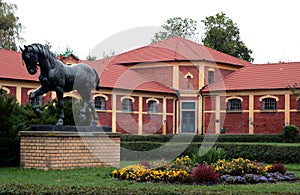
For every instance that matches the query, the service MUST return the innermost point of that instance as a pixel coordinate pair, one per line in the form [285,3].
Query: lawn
[98,180]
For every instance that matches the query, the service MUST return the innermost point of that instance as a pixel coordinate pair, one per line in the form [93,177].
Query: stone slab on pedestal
[82,147]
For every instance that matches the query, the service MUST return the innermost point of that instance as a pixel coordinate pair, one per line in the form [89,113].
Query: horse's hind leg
[60,95]
[82,114]
[95,116]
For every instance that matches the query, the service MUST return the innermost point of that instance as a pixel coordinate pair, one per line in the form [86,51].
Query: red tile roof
[263,76]
[120,77]
[176,49]
[111,76]
[11,66]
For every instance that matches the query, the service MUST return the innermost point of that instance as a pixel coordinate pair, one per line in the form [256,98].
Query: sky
[271,29]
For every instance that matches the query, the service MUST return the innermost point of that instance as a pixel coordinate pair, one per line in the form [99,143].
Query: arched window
[5,90]
[127,104]
[189,77]
[269,103]
[234,104]
[100,103]
[152,104]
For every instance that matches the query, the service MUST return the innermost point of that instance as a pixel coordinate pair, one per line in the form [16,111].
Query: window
[127,104]
[152,106]
[100,103]
[211,77]
[189,77]
[188,117]
[234,104]
[269,104]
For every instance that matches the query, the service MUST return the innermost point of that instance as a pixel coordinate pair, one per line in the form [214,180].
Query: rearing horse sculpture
[58,77]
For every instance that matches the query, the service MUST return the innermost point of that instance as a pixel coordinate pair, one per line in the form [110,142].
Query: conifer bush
[290,132]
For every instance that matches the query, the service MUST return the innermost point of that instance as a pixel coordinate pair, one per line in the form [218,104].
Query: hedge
[268,153]
[199,138]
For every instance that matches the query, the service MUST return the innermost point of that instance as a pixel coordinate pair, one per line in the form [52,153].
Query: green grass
[100,178]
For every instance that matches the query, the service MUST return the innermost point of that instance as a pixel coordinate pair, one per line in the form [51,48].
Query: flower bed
[183,170]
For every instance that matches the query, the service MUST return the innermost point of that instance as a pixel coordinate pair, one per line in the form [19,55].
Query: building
[253,100]
[176,86]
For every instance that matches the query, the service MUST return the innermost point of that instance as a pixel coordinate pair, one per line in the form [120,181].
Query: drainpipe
[202,102]
[176,102]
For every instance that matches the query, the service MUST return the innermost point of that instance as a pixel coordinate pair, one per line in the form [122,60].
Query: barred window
[100,103]
[234,104]
[152,106]
[269,104]
[127,104]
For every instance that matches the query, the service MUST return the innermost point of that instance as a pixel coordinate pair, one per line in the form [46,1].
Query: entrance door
[188,117]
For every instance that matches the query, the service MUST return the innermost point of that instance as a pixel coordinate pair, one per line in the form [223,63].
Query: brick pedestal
[68,150]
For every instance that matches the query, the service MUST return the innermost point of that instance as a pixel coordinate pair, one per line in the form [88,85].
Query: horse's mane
[42,50]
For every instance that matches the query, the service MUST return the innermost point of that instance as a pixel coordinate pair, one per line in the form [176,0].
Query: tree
[222,34]
[91,58]
[10,28]
[177,26]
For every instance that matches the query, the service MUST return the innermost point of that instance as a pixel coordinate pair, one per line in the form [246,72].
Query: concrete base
[43,149]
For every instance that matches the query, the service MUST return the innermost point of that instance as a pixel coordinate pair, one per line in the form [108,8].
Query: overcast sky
[270,28]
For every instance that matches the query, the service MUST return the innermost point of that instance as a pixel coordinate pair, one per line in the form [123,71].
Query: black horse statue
[58,77]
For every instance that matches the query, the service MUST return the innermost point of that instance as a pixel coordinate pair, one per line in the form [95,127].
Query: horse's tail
[97,80]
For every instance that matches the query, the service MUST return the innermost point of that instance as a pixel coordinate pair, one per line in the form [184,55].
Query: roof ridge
[186,40]
[277,63]
[232,57]
[176,50]
[8,50]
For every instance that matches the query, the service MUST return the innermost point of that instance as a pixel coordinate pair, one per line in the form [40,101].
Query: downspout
[176,102]
[202,103]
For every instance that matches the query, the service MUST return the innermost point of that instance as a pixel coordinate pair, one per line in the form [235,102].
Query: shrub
[204,174]
[289,133]
[10,124]
[209,155]
[277,167]
[145,163]
[268,153]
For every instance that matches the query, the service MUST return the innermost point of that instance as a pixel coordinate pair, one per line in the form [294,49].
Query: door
[188,117]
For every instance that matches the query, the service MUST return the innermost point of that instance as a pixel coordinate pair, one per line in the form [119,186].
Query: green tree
[91,58]
[177,26]
[10,28]
[222,34]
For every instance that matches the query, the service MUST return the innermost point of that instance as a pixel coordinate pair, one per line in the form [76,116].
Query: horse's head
[30,58]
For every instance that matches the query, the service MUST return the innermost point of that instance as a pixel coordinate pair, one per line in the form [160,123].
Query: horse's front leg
[60,96]
[39,91]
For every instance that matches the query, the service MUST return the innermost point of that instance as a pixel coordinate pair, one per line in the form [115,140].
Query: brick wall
[162,75]
[68,150]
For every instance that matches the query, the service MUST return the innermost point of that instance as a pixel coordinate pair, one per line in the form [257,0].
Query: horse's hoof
[82,117]
[60,122]
[38,112]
